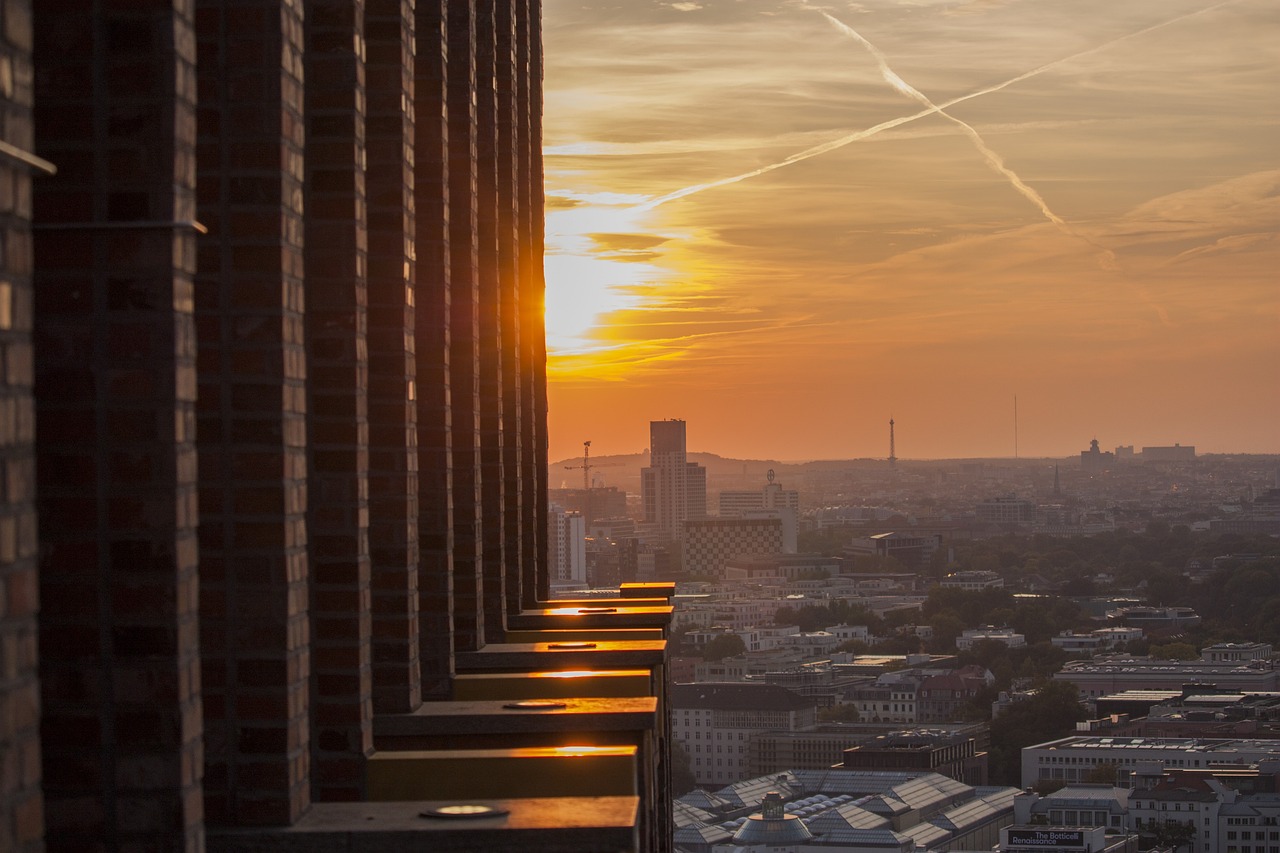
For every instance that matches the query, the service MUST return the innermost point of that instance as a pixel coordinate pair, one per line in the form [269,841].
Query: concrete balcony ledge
[634,601]
[478,724]
[539,635]
[592,615]
[557,684]
[594,654]
[648,589]
[578,770]
[529,825]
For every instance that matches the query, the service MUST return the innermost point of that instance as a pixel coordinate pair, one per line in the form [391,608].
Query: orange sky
[785,222]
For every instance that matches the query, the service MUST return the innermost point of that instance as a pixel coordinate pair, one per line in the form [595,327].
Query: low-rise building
[1106,675]
[1092,642]
[1007,636]
[972,581]
[911,550]
[938,751]
[888,812]
[1078,758]
[713,722]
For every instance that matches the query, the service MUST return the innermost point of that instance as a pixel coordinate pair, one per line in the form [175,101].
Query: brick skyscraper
[273,406]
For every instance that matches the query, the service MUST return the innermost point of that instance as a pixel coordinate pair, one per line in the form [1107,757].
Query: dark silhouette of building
[273,408]
[950,753]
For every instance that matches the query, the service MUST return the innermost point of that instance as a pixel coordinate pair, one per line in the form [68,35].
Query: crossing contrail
[859,135]
[994,160]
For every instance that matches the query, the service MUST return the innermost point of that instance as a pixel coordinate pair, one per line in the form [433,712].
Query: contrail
[859,135]
[994,160]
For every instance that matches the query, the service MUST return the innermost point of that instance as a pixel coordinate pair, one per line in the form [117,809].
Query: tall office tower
[566,545]
[673,488]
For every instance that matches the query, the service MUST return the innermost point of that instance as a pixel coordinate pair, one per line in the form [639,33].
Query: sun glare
[596,263]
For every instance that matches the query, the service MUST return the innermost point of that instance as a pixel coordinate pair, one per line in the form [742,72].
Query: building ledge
[473,723]
[530,825]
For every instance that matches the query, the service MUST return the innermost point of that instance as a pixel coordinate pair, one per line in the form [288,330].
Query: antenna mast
[892,458]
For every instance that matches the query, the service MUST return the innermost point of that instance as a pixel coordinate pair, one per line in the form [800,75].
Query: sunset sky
[787,222]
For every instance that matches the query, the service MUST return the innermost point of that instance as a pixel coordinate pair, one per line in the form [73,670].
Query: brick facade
[336,264]
[115,379]
[20,797]
[278,318]
[463,94]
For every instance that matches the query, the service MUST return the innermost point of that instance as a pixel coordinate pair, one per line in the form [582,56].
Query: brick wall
[254,573]
[20,798]
[464,90]
[295,310]
[495,231]
[535,584]
[115,392]
[336,258]
[511,43]
[431,189]
[395,477]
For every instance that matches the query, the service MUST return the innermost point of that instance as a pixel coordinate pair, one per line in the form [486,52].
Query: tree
[1175,835]
[724,646]
[682,779]
[1174,651]
[1051,713]
[839,714]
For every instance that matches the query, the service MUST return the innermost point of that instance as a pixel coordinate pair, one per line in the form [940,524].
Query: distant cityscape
[952,655]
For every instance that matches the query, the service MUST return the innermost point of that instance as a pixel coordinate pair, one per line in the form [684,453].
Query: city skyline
[786,223]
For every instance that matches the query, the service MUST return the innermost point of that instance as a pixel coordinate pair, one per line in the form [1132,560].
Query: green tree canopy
[724,646]
[1051,713]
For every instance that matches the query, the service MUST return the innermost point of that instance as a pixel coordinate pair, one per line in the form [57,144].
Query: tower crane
[587,465]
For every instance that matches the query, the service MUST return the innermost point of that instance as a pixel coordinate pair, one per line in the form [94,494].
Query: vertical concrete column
[431,191]
[393,339]
[514,115]
[115,392]
[535,582]
[255,632]
[20,798]
[338,379]
[464,327]
[496,196]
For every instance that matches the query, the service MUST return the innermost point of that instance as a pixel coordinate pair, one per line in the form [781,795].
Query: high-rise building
[566,545]
[672,488]
[274,432]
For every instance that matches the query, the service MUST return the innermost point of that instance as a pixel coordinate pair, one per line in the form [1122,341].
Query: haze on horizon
[786,222]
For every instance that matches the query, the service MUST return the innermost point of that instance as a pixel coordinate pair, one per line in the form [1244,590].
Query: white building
[714,723]
[1103,676]
[1073,759]
[1008,636]
[1093,642]
[566,545]
[972,581]
[1180,798]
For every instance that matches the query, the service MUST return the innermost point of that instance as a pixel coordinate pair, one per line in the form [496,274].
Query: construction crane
[587,465]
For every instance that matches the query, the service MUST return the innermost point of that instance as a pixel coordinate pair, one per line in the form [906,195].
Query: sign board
[1046,838]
